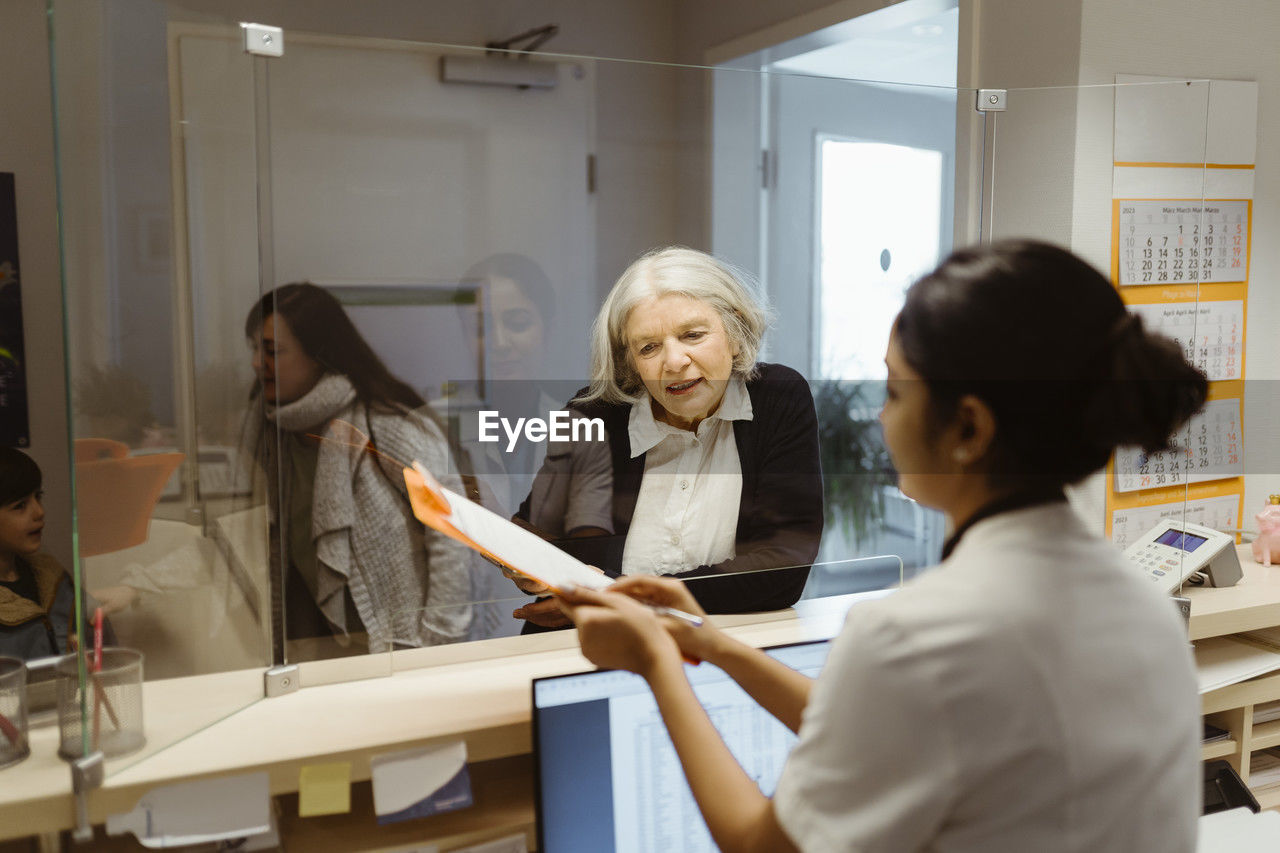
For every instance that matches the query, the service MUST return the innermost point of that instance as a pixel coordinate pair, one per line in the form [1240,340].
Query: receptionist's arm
[776,687]
[619,633]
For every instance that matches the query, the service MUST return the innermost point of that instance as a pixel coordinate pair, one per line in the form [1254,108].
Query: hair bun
[1126,327]
[1148,389]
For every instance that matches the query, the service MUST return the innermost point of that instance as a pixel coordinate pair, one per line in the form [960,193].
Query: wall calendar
[1211,334]
[1208,448]
[1175,241]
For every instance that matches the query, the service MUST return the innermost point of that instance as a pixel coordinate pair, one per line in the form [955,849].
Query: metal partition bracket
[280,680]
[262,40]
[86,774]
[992,100]
[1183,606]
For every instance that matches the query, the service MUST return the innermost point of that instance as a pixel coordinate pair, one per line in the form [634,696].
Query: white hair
[659,272]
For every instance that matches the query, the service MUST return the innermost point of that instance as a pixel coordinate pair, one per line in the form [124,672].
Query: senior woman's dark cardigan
[780,511]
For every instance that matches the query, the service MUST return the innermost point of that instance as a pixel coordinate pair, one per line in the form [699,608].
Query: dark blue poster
[14,428]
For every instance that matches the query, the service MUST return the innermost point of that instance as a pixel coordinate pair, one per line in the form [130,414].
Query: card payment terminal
[1173,550]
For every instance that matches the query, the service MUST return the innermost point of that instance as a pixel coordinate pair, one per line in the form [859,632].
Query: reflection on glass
[37,598]
[330,430]
[469,232]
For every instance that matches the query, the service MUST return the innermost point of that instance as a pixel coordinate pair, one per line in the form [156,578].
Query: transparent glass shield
[470,234]
[1150,180]
[170,549]
[825,590]
[468,227]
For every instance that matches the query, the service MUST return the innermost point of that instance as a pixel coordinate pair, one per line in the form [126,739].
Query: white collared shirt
[686,513]
[1031,693]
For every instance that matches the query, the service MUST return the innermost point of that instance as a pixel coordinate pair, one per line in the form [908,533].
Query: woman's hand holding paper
[545,613]
[527,585]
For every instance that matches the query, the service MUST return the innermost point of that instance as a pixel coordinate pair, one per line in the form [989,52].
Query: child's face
[21,525]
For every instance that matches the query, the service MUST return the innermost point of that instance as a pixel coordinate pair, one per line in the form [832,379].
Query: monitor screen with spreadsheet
[606,769]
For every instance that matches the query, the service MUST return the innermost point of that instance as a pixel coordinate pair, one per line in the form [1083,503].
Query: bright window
[880,222]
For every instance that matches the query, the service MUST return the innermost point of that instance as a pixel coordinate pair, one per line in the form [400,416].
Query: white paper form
[1208,448]
[1211,334]
[513,545]
[1217,513]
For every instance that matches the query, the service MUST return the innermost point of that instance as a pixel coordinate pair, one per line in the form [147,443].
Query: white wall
[637,202]
[26,149]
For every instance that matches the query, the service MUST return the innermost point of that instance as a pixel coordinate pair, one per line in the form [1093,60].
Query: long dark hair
[20,476]
[1044,340]
[329,338]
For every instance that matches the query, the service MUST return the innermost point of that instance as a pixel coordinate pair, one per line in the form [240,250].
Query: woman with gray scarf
[330,428]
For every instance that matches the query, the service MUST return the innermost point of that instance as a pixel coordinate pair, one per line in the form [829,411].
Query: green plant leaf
[855,462]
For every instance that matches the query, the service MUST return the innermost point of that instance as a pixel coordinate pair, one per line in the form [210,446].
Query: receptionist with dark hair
[714,456]
[1031,693]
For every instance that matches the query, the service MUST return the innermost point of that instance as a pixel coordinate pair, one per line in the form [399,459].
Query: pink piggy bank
[1267,545]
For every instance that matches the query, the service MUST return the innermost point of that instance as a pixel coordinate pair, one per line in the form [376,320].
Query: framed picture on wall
[14,421]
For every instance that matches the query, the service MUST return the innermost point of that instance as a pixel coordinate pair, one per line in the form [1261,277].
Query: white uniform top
[686,513]
[1032,693]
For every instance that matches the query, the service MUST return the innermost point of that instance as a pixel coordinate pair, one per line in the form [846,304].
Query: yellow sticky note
[324,789]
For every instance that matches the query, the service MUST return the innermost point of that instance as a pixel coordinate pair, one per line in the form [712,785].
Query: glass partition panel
[466,235]
[289,278]
[171,551]
[1139,180]
[828,590]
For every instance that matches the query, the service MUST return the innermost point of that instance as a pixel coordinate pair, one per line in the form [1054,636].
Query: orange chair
[93,449]
[116,496]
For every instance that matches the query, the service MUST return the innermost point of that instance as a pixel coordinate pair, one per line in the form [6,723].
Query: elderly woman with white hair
[714,455]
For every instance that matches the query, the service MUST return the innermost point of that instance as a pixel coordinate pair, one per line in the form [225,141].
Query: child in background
[37,597]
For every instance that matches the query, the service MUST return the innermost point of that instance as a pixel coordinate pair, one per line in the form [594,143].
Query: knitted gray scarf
[364,531]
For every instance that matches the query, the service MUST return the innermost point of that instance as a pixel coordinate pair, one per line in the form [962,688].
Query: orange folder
[493,536]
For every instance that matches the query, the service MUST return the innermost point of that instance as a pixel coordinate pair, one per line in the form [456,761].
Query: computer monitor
[607,774]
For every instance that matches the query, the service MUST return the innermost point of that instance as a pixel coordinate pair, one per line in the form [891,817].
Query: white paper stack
[1222,661]
[1264,769]
[1266,712]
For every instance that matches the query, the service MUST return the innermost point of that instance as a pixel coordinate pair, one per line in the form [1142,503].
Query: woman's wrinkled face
[924,471]
[281,364]
[679,347]
[22,525]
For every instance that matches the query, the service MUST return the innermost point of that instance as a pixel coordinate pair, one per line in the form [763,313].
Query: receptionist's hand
[544,614]
[617,632]
[695,643]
